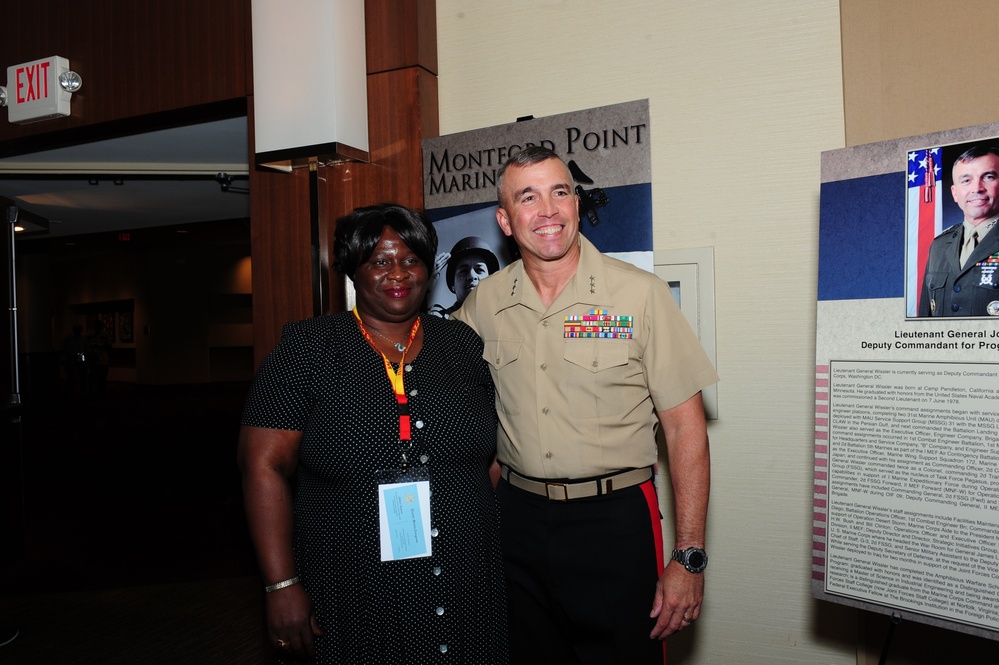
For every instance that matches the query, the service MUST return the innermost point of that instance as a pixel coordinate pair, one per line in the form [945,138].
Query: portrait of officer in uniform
[470,261]
[960,277]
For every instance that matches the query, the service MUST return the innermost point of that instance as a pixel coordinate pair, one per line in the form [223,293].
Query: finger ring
[281,644]
[687,618]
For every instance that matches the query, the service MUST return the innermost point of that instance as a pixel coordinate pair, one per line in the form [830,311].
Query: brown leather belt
[577,489]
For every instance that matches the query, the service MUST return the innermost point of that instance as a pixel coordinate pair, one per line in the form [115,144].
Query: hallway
[136,548]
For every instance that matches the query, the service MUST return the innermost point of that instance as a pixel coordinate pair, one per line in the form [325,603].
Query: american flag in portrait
[923,218]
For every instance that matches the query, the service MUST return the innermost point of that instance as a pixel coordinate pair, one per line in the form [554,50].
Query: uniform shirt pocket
[936,280]
[502,356]
[596,370]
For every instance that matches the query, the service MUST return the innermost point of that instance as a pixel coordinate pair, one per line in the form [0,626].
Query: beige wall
[912,67]
[744,96]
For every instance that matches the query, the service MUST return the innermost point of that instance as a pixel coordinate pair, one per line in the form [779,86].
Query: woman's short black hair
[357,234]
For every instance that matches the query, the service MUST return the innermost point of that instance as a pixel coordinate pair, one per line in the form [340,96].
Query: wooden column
[402,110]
[401,40]
[281,253]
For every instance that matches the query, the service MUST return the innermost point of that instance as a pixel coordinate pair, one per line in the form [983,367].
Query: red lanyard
[395,377]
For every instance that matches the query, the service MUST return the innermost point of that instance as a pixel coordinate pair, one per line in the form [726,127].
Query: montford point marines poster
[607,150]
[906,462]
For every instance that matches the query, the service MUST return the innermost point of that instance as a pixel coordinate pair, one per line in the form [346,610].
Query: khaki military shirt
[579,406]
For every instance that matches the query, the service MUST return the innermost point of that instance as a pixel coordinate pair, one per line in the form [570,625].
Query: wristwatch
[693,559]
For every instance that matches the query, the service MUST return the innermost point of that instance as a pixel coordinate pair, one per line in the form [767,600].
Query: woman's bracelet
[281,585]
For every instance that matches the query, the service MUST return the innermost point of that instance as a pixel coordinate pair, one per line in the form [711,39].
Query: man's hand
[677,602]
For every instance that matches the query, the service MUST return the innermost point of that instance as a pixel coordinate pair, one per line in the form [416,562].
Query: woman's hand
[291,621]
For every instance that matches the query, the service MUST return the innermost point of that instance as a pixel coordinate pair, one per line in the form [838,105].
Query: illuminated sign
[34,93]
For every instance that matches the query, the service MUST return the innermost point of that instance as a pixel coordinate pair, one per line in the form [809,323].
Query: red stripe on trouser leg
[649,490]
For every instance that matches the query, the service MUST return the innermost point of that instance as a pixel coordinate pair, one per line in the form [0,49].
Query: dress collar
[587,286]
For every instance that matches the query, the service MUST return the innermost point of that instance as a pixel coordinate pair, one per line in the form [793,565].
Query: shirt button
[419,424]
[955,307]
[957,288]
[409,368]
[545,410]
[440,611]
[437,571]
[544,324]
[434,532]
[424,458]
[414,392]
[595,363]
[544,366]
[548,455]
[443,648]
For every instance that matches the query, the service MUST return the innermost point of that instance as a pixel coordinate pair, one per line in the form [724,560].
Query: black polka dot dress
[323,379]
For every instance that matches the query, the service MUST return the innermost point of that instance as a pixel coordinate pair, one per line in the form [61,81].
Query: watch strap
[685,556]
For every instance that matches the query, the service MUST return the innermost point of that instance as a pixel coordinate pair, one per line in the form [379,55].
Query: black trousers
[581,576]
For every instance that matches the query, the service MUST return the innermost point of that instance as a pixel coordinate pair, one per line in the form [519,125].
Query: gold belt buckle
[564,488]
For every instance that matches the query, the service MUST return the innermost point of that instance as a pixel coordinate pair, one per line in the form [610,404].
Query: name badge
[404,516]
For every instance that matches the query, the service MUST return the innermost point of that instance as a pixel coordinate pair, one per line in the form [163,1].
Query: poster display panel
[608,153]
[906,463]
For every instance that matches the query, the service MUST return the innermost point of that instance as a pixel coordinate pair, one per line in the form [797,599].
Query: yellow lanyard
[395,377]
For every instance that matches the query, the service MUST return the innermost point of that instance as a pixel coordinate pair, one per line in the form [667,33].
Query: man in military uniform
[960,277]
[589,356]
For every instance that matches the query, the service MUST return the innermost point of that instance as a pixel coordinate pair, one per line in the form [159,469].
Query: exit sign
[33,91]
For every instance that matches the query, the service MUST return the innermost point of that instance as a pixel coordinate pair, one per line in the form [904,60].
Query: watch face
[694,559]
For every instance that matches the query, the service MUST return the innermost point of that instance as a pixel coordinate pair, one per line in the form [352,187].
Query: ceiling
[162,178]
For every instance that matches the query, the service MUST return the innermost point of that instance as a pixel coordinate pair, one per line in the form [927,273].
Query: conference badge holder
[404,513]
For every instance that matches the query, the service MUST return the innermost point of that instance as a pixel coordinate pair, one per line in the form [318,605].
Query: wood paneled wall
[160,63]
[145,65]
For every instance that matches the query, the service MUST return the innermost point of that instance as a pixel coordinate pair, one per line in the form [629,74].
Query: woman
[365,450]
